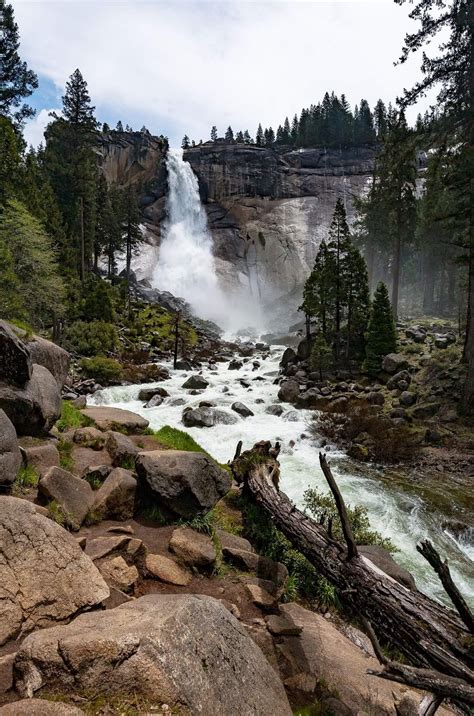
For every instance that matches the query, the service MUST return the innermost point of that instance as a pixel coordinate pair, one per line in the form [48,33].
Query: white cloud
[34,129]
[189,65]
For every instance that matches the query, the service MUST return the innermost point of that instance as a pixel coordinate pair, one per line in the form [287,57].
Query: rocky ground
[117,597]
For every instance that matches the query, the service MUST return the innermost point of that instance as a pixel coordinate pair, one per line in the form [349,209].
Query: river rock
[116,419]
[195,382]
[207,418]
[275,409]
[15,361]
[195,549]
[44,575]
[74,496]
[242,409]
[394,362]
[181,649]
[154,402]
[384,561]
[425,410]
[147,394]
[289,391]
[407,398]
[188,483]
[10,456]
[402,376]
[34,408]
[235,364]
[115,499]
[289,356]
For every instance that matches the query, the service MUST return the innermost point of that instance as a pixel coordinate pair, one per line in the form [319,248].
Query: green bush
[103,370]
[90,339]
[71,418]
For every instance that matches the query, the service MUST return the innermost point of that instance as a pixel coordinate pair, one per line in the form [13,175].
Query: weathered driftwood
[432,637]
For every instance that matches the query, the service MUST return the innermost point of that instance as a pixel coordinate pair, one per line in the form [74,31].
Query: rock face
[10,456]
[44,575]
[35,407]
[178,649]
[50,356]
[15,361]
[188,483]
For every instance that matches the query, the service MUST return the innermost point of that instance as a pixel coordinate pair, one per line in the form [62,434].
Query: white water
[186,265]
[405,519]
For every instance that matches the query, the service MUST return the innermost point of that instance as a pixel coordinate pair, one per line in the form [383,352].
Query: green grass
[57,514]
[26,478]
[65,448]
[153,513]
[175,439]
[71,418]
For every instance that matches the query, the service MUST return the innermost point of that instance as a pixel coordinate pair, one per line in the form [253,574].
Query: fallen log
[428,634]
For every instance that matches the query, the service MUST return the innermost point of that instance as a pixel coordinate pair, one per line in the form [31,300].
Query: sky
[180,67]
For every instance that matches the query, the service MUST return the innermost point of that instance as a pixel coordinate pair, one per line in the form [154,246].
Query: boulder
[207,418]
[195,382]
[241,409]
[425,410]
[116,419]
[279,626]
[40,456]
[10,456]
[304,349]
[15,361]
[96,474]
[183,365]
[385,562]
[195,549]
[309,399]
[147,394]
[188,483]
[100,547]
[289,356]
[394,362]
[402,377]
[74,496]
[39,707]
[34,408]
[115,499]
[167,570]
[154,402]
[263,567]
[375,398]
[44,575]
[90,437]
[119,574]
[121,449]
[275,410]
[184,650]
[260,597]
[50,356]
[235,364]
[407,398]
[227,539]
[289,391]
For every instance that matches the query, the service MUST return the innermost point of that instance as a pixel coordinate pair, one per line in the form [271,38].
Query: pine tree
[105,128]
[185,142]
[77,108]
[229,135]
[119,126]
[10,151]
[11,303]
[339,246]
[321,355]
[16,80]
[286,138]
[239,137]
[381,333]
[247,137]
[259,140]
[380,119]
[294,129]
[214,134]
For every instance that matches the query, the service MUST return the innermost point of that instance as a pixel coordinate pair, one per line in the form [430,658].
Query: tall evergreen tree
[214,133]
[16,81]
[185,143]
[229,135]
[132,234]
[381,333]
[259,139]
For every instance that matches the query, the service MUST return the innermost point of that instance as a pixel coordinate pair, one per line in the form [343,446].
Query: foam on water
[405,519]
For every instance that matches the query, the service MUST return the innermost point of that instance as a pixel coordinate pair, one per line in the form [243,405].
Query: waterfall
[186,265]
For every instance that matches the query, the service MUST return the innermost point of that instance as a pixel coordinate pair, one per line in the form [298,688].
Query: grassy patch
[175,439]
[57,514]
[103,370]
[71,418]
[114,705]
[65,448]
[154,513]
[27,477]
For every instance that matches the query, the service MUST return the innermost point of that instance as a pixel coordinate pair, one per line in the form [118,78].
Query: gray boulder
[275,410]
[242,410]
[50,356]
[188,483]
[10,456]
[40,455]
[311,398]
[125,421]
[15,362]
[74,496]
[425,410]
[154,402]
[195,382]
[402,377]
[235,364]
[35,407]
[147,394]
[45,577]
[207,418]
[195,549]
[263,567]
[394,362]
[121,449]
[289,391]
[384,561]
[115,499]
[289,356]
[185,650]
[407,398]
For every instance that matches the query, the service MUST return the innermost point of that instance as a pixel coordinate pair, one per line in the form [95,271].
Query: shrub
[71,418]
[89,339]
[103,370]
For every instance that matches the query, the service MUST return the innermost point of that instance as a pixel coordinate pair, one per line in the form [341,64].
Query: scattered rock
[100,547]
[166,569]
[375,398]
[425,410]
[188,483]
[260,597]
[242,410]
[40,457]
[235,364]
[407,399]
[121,449]
[289,391]
[116,419]
[97,474]
[74,496]
[115,499]
[275,410]
[263,567]
[154,402]
[196,382]
[193,548]
[279,626]
[122,529]
[10,456]
[90,437]
[394,362]
[207,418]
[180,649]
[227,539]
[147,394]
[118,573]
[45,576]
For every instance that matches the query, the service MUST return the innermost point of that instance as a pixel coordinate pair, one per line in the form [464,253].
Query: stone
[304,349]
[147,394]
[289,356]
[407,399]
[195,382]
[279,626]
[311,398]
[122,529]
[181,649]
[10,455]
[263,567]
[35,407]
[40,457]
[441,341]
[45,577]
[167,570]
[100,547]
[188,483]
[260,597]
[402,376]
[116,419]
[115,499]
[183,365]
[385,562]
[289,391]
[118,573]
[39,707]
[154,402]
[375,398]
[74,496]
[15,361]
[97,474]
[394,362]
[90,437]
[6,672]
[275,410]
[425,410]
[121,449]
[242,410]
[193,548]
[227,539]
[207,418]
[80,403]
[50,356]
[235,365]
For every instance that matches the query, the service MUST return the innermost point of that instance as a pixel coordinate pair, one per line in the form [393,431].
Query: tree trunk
[396,261]
[83,247]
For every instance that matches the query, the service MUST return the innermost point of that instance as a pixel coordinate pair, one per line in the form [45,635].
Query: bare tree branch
[341,508]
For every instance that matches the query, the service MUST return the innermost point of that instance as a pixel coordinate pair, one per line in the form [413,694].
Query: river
[404,517]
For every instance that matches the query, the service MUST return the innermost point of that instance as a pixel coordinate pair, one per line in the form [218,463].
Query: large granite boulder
[289,391]
[35,407]
[181,649]
[188,483]
[195,382]
[10,456]
[45,577]
[195,549]
[117,419]
[50,356]
[115,499]
[74,496]
[394,363]
[15,362]
[207,417]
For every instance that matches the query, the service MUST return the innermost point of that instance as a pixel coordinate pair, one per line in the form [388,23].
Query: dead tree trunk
[427,633]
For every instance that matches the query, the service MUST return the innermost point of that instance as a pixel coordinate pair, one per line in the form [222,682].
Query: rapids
[404,518]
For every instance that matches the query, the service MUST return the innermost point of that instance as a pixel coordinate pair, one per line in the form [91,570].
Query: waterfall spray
[186,265]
